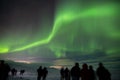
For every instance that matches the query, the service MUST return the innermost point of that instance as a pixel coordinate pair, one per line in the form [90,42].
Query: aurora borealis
[58,28]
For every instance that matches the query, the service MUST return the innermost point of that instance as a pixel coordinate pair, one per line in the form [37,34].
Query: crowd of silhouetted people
[75,73]
[85,73]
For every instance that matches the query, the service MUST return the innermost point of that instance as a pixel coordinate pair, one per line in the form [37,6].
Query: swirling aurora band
[78,17]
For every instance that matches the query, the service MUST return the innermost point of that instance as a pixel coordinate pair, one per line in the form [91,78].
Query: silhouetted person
[62,74]
[75,72]
[4,70]
[13,72]
[67,74]
[22,72]
[84,72]
[40,73]
[91,73]
[45,72]
[103,73]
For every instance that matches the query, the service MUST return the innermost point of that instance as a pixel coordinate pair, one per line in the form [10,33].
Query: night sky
[45,30]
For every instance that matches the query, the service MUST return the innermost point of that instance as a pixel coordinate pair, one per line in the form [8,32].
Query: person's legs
[74,78]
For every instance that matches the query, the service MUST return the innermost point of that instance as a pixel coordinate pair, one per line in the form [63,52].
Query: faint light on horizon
[22,61]
[56,67]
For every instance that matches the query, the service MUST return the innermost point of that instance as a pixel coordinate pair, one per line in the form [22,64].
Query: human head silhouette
[85,66]
[90,67]
[101,64]
[76,64]
[2,61]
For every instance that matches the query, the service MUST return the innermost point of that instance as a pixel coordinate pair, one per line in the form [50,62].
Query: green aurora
[75,28]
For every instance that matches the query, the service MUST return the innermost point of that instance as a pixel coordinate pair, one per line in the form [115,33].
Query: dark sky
[23,13]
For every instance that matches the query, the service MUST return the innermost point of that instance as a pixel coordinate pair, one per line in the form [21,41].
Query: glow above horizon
[94,28]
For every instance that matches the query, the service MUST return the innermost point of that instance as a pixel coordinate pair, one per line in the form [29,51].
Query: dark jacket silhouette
[103,73]
[67,74]
[45,72]
[22,72]
[75,72]
[62,73]
[84,72]
[91,73]
[4,70]
[40,73]
[13,71]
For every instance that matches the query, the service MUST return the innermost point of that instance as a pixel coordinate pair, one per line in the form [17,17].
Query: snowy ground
[53,74]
